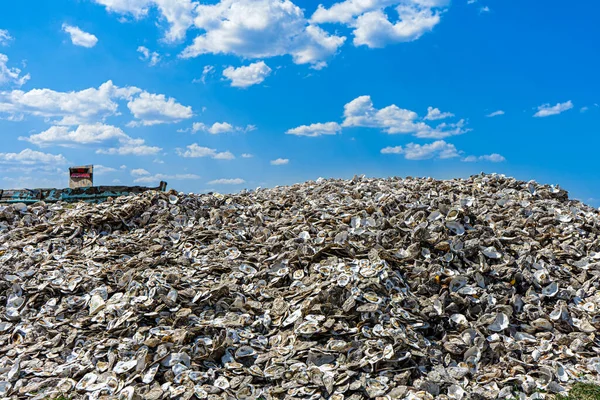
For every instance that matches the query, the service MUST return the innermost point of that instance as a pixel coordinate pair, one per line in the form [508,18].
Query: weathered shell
[501,322]
[394,288]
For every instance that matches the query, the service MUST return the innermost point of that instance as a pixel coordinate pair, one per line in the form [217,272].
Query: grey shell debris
[336,289]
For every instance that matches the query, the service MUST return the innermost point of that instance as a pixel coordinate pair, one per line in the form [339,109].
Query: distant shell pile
[481,288]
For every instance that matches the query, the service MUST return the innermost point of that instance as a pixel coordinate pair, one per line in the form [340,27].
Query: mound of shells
[478,288]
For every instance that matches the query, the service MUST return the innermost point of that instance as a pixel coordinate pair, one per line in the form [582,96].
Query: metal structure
[80,177]
[81,180]
[94,194]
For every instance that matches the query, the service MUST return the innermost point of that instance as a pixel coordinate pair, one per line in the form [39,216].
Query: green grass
[582,391]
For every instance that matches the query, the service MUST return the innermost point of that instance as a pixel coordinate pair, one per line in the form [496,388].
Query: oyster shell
[410,288]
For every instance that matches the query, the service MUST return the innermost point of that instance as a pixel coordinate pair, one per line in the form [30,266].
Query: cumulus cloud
[139,172]
[88,134]
[196,151]
[360,112]
[375,30]
[547,110]
[280,161]
[84,134]
[103,170]
[235,181]
[10,75]
[73,107]
[259,29]
[370,22]
[220,127]
[438,149]
[93,105]
[255,29]
[5,37]
[495,157]
[206,71]
[495,114]
[178,14]
[79,37]
[247,155]
[151,56]
[135,147]
[318,129]
[435,114]
[31,157]
[247,75]
[162,177]
[392,150]
[153,109]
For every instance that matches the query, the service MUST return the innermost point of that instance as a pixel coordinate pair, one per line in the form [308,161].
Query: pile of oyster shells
[477,288]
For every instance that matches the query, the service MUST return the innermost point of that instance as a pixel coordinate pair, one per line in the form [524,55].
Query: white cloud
[495,157]
[5,37]
[93,105]
[178,13]
[235,181]
[280,161]
[93,134]
[495,114]
[584,109]
[247,155]
[374,30]
[259,29]
[318,129]
[139,172]
[123,166]
[412,151]
[206,71]
[74,107]
[444,130]
[484,9]
[435,114]
[394,120]
[162,177]
[220,127]
[546,110]
[102,170]
[79,37]
[196,151]
[371,24]
[152,57]
[471,1]
[31,157]
[116,181]
[153,109]
[392,150]
[135,147]
[247,75]
[84,134]
[10,75]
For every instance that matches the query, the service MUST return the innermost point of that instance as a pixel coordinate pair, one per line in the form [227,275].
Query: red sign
[78,175]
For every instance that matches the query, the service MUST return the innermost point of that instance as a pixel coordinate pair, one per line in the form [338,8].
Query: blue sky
[225,95]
